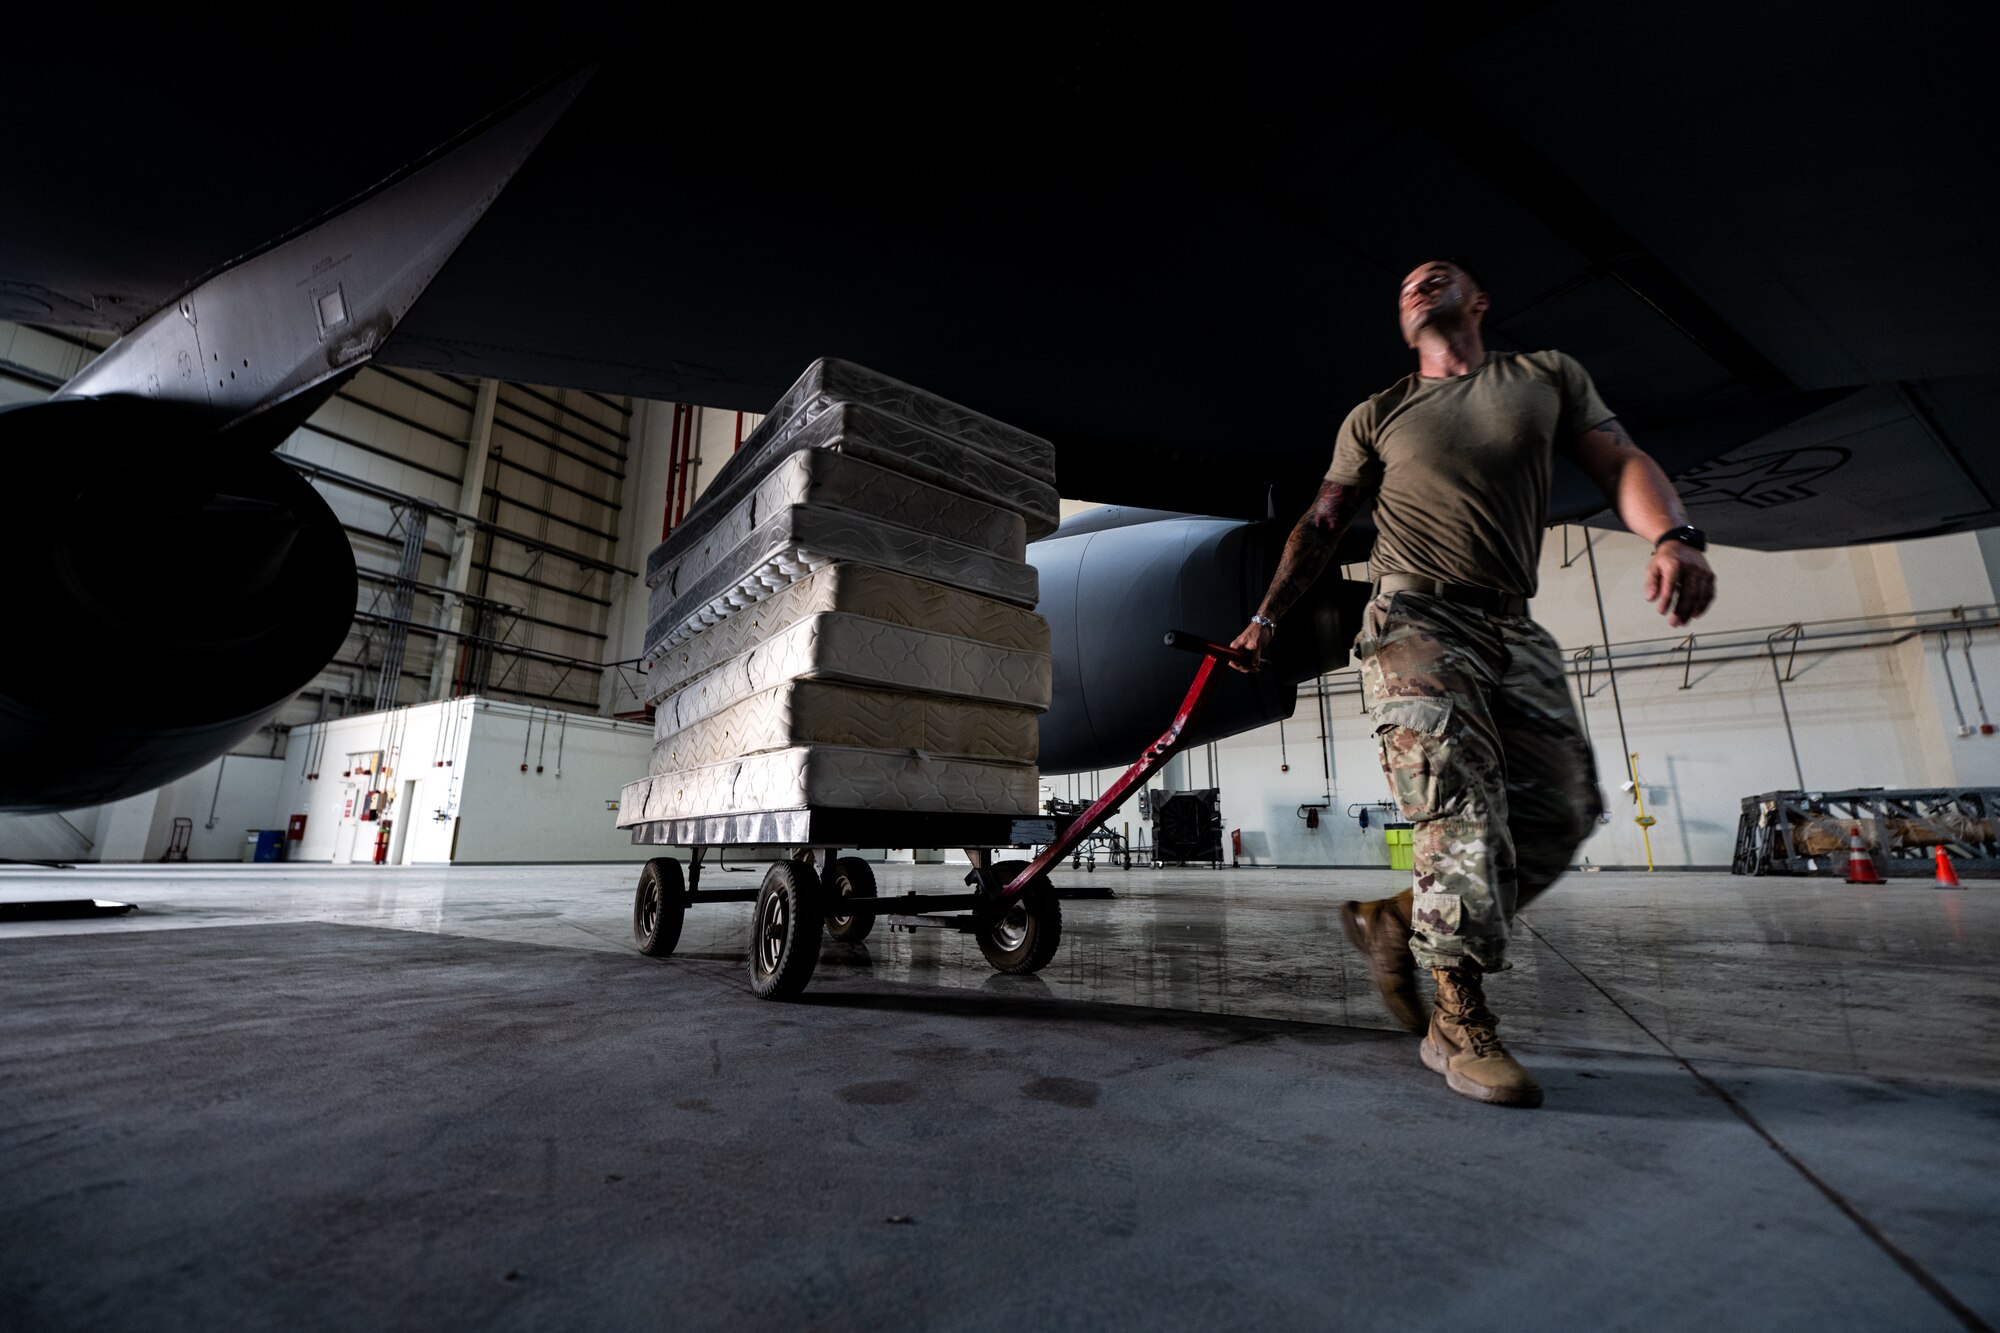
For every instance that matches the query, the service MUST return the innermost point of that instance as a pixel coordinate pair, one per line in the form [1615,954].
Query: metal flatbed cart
[1010,905]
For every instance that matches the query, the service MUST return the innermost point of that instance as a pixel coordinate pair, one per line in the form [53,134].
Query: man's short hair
[1467,269]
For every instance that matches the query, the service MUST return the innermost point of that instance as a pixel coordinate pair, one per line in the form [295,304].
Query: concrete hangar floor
[317,1098]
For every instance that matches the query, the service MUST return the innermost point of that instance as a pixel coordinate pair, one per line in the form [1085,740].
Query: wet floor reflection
[1817,974]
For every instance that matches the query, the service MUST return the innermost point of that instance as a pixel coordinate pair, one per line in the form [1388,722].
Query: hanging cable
[1944,660]
[1978,699]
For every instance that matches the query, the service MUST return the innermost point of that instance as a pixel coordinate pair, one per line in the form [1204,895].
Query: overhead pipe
[1944,660]
[1325,737]
[692,459]
[1978,699]
[216,800]
[673,471]
[1784,708]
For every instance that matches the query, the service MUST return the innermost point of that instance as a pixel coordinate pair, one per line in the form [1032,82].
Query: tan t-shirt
[1461,466]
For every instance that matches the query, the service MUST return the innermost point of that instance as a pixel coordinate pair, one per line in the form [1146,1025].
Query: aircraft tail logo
[1762,481]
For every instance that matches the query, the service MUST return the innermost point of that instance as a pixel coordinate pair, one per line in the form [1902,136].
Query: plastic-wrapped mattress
[799,539]
[811,712]
[829,477]
[861,590]
[860,651]
[831,776]
[921,456]
[830,384]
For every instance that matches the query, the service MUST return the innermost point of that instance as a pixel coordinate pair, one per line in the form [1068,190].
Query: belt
[1484,599]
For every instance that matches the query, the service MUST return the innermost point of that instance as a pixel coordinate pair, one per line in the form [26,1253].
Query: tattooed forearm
[1629,478]
[1310,548]
[1619,435]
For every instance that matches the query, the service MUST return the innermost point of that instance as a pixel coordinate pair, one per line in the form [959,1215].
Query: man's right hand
[1252,641]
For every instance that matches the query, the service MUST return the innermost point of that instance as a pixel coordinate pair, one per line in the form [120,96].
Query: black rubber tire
[784,931]
[1025,938]
[659,906]
[852,878]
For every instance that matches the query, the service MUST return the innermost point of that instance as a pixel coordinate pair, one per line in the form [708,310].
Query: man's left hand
[1680,582]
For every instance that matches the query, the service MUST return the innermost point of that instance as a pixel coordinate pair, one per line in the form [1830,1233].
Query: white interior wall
[459,789]
[423,745]
[559,809]
[1864,717]
[222,800]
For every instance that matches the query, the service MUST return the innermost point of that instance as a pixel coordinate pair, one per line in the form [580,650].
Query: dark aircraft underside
[1166,240]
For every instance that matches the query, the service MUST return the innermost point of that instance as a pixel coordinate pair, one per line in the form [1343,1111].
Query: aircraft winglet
[322,301]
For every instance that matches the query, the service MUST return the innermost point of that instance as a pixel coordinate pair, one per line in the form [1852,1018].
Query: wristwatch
[1685,534]
[1265,621]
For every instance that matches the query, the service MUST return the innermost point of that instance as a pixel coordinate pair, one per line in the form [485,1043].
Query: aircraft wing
[1167,241]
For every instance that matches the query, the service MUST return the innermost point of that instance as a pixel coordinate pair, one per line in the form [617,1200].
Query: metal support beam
[472,486]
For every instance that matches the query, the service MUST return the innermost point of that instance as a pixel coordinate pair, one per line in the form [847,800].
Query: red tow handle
[1152,761]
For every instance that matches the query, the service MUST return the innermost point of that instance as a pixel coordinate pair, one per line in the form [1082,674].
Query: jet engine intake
[1114,581]
[168,598]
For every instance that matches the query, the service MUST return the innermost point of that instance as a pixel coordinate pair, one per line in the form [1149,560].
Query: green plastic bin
[1402,854]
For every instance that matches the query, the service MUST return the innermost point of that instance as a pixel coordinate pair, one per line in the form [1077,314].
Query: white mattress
[828,478]
[855,590]
[832,776]
[896,446]
[859,651]
[809,712]
[800,539]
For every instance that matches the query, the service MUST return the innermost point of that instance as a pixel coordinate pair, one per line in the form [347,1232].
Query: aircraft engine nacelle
[1115,581]
[166,597]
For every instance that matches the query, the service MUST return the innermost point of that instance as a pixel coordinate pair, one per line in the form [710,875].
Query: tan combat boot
[1381,931]
[1463,1046]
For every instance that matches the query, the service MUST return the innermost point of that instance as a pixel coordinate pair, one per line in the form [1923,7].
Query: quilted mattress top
[832,776]
[814,712]
[801,539]
[862,590]
[832,646]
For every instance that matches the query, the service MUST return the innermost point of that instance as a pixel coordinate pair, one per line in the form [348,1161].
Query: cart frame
[793,901]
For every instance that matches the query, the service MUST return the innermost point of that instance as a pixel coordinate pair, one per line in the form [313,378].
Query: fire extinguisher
[1236,847]
[382,845]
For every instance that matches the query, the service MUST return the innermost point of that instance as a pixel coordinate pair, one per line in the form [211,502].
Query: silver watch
[1265,621]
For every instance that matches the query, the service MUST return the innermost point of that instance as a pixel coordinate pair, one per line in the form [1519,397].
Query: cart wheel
[1025,938]
[784,933]
[851,879]
[659,906]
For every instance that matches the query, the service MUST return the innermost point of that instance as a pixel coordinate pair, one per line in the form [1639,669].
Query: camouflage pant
[1482,749]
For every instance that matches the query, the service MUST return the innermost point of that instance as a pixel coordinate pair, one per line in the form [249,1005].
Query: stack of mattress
[846,619]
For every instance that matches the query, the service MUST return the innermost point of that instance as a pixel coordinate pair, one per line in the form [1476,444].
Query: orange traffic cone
[1947,878]
[1860,866]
